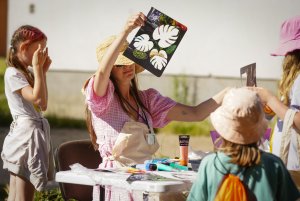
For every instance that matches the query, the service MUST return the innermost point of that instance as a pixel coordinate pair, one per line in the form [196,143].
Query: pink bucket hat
[289,37]
[240,119]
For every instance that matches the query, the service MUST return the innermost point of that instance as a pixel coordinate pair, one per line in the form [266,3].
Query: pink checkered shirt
[108,117]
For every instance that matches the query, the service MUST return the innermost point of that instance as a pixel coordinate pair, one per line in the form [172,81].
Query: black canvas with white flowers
[155,43]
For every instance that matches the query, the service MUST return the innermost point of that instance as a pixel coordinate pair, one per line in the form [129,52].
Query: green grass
[50,195]
[2,65]
[191,128]
[59,122]
[47,195]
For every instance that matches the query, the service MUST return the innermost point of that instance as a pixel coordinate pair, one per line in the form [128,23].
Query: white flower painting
[143,43]
[166,35]
[158,58]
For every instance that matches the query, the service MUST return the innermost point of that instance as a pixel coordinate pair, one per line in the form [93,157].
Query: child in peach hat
[241,122]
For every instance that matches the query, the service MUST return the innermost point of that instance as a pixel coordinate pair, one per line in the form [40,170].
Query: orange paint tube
[184,149]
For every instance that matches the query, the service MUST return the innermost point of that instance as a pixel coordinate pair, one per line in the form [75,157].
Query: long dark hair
[135,92]
[24,34]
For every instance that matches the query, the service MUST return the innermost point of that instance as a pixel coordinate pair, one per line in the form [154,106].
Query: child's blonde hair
[241,154]
[291,69]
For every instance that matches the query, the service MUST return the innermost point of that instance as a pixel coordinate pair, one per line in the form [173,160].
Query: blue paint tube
[163,167]
[179,167]
[157,160]
[147,166]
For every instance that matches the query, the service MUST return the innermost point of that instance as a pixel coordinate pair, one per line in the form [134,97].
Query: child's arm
[37,94]
[276,105]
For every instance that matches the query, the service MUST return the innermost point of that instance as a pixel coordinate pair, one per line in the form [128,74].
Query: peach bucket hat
[240,119]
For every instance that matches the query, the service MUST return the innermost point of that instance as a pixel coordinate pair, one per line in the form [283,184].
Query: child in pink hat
[289,90]
[289,37]
[241,122]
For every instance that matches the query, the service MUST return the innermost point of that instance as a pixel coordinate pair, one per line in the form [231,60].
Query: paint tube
[146,166]
[179,167]
[157,160]
[184,149]
[163,167]
[269,113]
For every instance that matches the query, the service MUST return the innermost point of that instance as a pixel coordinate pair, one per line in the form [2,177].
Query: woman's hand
[135,21]
[218,98]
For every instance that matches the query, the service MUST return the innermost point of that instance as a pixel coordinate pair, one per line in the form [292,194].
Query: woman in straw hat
[120,117]
[289,90]
[241,122]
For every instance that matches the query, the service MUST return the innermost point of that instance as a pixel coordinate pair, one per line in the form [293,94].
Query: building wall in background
[3,27]
[222,35]
[66,99]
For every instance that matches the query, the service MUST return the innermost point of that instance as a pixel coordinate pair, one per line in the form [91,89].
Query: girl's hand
[48,62]
[39,57]
[135,21]
[263,93]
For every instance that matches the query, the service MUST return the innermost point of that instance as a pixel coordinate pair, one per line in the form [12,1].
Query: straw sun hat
[121,60]
[240,119]
[289,37]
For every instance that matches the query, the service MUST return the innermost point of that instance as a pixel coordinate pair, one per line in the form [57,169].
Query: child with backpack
[239,170]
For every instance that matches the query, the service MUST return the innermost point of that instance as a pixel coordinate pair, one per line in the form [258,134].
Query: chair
[78,151]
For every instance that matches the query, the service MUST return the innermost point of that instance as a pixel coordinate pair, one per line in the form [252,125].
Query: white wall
[222,36]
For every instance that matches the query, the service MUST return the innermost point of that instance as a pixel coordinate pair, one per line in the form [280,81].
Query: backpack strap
[286,135]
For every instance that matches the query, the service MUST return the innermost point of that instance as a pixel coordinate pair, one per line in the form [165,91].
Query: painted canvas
[155,43]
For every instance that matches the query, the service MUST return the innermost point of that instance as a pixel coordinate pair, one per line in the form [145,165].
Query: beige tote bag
[286,141]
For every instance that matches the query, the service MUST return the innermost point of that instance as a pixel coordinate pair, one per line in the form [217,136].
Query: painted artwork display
[155,43]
